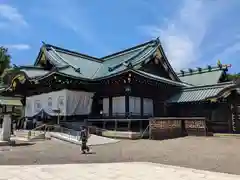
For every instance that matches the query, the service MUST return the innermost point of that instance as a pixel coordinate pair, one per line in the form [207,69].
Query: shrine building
[133,84]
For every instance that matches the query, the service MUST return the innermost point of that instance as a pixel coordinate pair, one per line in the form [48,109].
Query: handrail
[143,133]
[32,132]
[70,132]
[38,127]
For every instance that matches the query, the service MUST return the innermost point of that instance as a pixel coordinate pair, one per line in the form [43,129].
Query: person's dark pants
[12,128]
[84,146]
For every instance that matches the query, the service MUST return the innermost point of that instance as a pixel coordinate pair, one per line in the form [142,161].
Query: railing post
[115,127]
[150,129]
[129,124]
[29,134]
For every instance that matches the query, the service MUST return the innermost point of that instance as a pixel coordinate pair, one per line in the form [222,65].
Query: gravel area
[221,154]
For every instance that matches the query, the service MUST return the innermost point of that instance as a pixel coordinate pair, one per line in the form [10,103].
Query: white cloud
[17,46]
[185,32]
[10,17]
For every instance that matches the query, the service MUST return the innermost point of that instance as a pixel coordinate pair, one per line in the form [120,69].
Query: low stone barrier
[165,128]
[173,127]
[196,127]
[122,134]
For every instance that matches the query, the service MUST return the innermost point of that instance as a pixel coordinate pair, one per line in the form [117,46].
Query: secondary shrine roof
[201,93]
[200,77]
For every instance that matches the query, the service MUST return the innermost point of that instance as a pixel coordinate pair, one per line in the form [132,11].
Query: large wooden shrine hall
[136,83]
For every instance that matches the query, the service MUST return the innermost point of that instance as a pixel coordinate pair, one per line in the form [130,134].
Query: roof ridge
[209,86]
[132,57]
[105,58]
[44,50]
[163,78]
[57,48]
[56,53]
[167,61]
[31,67]
[199,70]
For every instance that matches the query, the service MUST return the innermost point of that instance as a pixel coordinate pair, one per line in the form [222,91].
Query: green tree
[5,59]
[231,77]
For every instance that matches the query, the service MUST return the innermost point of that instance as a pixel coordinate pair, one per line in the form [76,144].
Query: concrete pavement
[118,171]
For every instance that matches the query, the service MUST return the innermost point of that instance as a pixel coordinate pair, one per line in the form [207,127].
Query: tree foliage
[231,77]
[5,59]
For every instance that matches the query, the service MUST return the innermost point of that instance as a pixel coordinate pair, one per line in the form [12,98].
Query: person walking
[84,138]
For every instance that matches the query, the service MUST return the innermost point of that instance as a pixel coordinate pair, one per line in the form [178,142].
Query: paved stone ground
[206,153]
[118,171]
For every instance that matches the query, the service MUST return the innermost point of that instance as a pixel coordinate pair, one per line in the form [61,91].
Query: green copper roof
[199,93]
[202,76]
[119,62]
[79,65]
[31,73]
[10,101]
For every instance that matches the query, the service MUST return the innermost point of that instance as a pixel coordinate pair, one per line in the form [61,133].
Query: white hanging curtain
[47,102]
[106,106]
[147,107]
[118,105]
[69,103]
[79,103]
[135,105]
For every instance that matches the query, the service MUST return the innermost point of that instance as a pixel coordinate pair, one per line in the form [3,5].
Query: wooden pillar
[234,118]
[230,130]
[115,125]
[165,111]
[6,128]
[104,124]
[234,115]
[150,128]
[110,106]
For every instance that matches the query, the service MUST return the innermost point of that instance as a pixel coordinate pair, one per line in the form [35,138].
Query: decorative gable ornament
[43,59]
[190,70]
[78,70]
[209,68]
[182,72]
[129,65]
[219,64]
[156,60]
[199,69]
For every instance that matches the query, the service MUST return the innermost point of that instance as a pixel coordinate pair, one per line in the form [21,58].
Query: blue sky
[193,32]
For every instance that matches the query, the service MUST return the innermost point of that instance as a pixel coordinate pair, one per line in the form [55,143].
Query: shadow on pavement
[22,144]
